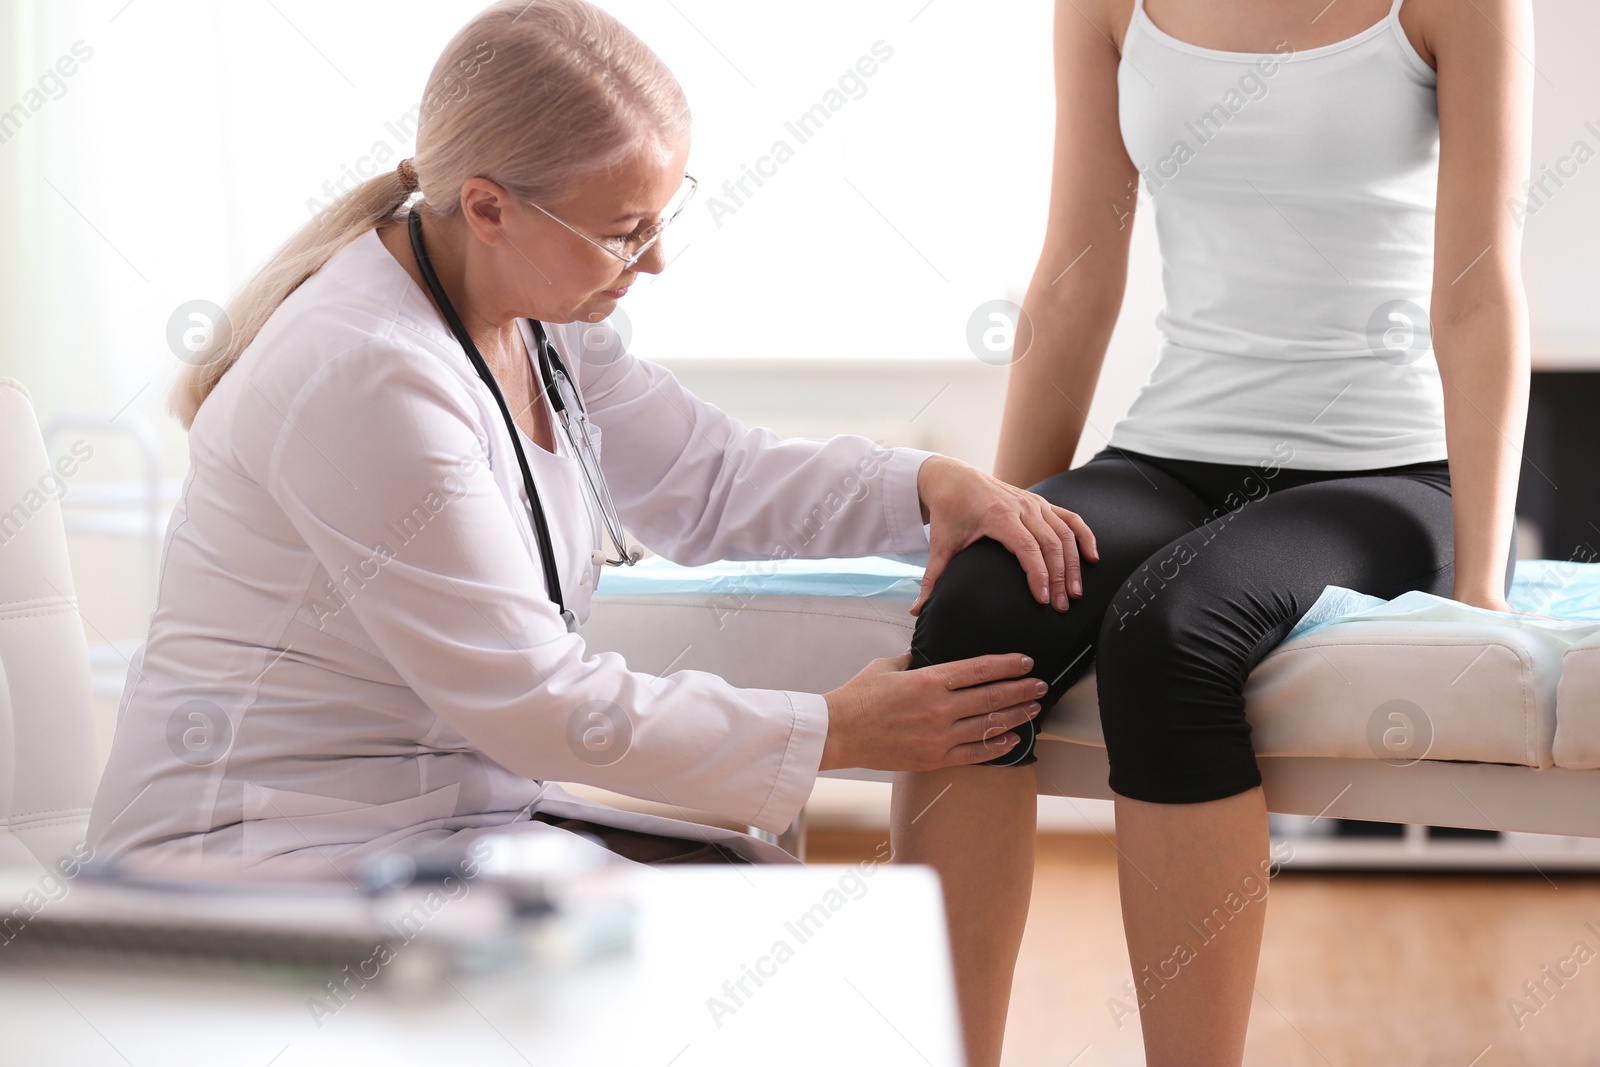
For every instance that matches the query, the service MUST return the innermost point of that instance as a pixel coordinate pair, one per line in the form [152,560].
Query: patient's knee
[1169,681]
[1146,599]
[979,605]
[1182,641]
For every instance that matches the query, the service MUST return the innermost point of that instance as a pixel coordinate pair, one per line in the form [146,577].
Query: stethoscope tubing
[582,445]
[540,523]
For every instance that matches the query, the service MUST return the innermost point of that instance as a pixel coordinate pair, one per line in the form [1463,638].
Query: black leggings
[1203,569]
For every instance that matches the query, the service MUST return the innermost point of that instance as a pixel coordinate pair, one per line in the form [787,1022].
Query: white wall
[194,140]
[1561,238]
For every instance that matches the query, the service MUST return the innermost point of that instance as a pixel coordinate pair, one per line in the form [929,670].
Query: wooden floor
[1356,969]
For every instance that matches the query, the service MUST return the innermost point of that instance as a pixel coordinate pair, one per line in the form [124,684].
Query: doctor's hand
[890,718]
[963,504]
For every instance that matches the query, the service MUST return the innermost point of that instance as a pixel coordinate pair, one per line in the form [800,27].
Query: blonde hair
[535,94]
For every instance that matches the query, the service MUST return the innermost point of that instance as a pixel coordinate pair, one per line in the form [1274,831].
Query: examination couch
[1419,710]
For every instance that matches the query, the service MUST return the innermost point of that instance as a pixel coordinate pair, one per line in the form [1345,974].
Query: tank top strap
[1134,24]
[1394,9]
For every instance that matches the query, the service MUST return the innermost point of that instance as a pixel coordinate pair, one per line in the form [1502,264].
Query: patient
[1326,180]
[365,635]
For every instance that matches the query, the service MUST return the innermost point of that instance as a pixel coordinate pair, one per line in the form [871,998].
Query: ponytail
[537,93]
[374,201]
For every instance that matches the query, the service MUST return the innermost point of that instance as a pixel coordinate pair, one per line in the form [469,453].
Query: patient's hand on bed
[891,718]
[1496,602]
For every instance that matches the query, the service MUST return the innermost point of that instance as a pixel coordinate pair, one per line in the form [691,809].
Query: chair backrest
[47,749]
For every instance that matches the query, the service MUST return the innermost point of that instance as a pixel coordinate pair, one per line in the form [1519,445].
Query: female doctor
[365,634]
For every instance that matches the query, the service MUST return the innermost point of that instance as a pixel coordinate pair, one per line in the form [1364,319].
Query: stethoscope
[554,374]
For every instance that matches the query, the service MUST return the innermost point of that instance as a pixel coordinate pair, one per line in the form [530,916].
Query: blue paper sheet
[1570,592]
[866,576]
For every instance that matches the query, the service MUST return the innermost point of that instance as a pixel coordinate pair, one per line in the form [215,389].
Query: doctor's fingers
[980,751]
[1059,547]
[979,671]
[990,726]
[1087,544]
[1038,549]
[968,709]
[940,553]
[1077,541]
[1074,532]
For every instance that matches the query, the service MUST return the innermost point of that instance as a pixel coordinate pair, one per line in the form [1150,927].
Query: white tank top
[1294,203]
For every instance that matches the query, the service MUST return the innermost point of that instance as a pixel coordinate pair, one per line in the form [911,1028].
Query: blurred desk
[866,979]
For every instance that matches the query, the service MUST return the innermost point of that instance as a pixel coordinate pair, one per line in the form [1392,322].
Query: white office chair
[47,749]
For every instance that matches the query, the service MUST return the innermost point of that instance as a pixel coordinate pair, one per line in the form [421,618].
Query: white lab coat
[352,646]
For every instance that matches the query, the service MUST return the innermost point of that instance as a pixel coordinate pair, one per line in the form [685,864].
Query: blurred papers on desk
[406,921]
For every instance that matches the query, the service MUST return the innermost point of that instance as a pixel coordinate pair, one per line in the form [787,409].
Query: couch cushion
[807,644]
[1384,690]
[1577,743]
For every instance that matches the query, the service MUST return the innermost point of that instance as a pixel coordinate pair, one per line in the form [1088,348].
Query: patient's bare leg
[974,825]
[1193,879]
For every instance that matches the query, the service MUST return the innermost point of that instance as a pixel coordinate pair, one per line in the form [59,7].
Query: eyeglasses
[641,239]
